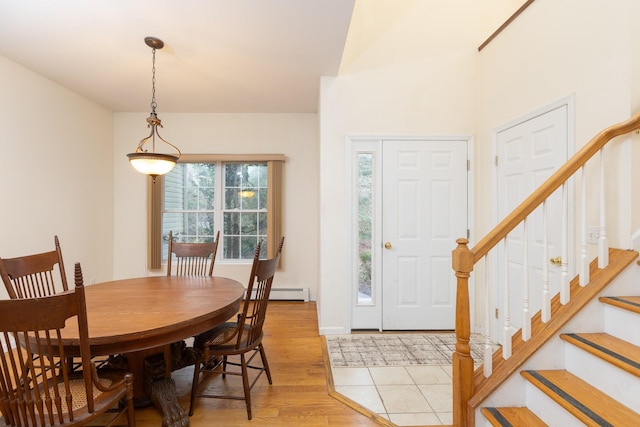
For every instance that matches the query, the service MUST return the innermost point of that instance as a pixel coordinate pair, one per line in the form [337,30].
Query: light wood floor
[299,394]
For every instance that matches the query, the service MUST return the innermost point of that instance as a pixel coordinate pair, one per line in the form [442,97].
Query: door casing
[496,263]
[370,317]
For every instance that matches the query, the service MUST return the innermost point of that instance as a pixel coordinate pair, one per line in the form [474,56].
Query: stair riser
[617,322]
[621,385]
[547,409]
[555,354]
[511,393]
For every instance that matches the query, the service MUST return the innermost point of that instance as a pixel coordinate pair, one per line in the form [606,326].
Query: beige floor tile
[351,376]
[448,369]
[386,375]
[428,374]
[365,395]
[439,396]
[424,419]
[403,399]
[446,418]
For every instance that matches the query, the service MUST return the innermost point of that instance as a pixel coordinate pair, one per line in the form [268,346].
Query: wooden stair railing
[505,24]
[464,259]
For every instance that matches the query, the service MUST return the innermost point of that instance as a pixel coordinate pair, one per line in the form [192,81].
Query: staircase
[568,365]
[588,373]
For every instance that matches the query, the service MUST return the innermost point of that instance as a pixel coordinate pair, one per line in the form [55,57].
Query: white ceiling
[220,55]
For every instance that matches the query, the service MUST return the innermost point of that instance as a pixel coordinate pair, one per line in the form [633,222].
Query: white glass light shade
[153,164]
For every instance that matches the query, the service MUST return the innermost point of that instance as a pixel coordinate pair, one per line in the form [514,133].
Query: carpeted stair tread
[631,303]
[512,417]
[584,401]
[618,352]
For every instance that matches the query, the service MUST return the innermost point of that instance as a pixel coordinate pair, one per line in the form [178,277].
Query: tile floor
[415,395]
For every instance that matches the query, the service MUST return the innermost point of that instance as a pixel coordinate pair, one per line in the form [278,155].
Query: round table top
[137,314]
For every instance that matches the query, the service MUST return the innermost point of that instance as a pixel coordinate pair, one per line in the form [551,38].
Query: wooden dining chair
[191,259]
[33,276]
[240,338]
[39,395]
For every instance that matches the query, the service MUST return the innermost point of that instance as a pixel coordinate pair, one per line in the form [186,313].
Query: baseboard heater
[288,294]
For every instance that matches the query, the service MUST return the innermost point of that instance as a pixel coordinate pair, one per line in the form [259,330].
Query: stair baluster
[584,261]
[546,292]
[471,388]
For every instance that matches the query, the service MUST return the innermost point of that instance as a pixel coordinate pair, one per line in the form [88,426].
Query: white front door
[424,211]
[527,154]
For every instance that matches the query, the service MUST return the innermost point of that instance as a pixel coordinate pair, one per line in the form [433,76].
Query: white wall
[294,135]
[56,170]
[402,84]
[405,82]
[64,160]
[551,52]
[554,50]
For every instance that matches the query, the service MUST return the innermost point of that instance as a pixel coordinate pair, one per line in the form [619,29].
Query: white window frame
[274,203]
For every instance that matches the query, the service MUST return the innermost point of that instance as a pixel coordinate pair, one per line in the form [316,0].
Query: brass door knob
[387,245]
[556,261]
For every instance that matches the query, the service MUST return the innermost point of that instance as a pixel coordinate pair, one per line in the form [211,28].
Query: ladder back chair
[37,394]
[34,275]
[192,259]
[238,338]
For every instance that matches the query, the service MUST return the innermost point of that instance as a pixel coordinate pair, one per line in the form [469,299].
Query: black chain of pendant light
[152,163]
[154,104]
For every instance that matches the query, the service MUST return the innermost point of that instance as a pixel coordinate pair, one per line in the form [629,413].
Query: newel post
[462,263]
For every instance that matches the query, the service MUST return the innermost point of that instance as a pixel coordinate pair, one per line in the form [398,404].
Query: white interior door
[424,210]
[527,154]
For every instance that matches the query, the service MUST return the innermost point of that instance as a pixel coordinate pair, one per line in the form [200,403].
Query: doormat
[358,350]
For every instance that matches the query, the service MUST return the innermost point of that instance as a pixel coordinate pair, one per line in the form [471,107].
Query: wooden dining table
[138,318]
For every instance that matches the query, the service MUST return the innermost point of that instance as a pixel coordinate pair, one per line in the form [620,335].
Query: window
[240,196]
[244,209]
[365,212]
[189,204]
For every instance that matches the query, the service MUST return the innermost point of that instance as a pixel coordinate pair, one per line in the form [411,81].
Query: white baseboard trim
[334,331]
[289,294]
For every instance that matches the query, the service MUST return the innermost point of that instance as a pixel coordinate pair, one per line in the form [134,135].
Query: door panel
[528,154]
[424,211]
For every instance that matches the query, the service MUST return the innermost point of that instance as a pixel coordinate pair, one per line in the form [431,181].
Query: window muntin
[245,209]
[188,209]
[275,173]
[197,197]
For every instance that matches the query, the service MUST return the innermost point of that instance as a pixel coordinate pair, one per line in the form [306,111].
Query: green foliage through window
[365,226]
[195,203]
[245,209]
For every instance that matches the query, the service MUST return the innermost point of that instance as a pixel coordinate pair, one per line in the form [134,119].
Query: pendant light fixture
[151,162]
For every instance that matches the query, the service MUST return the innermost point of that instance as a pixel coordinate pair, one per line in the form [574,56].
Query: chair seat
[107,380]
[219,340]
[78,393]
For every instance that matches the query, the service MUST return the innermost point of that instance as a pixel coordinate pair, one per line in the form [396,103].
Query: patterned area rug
[358,350]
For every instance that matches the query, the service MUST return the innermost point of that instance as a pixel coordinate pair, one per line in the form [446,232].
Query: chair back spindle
[258,290]
[238,338]
[34,276]
[191,259]
[48,393]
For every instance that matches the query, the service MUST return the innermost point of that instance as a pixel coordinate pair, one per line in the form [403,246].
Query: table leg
[152,385]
